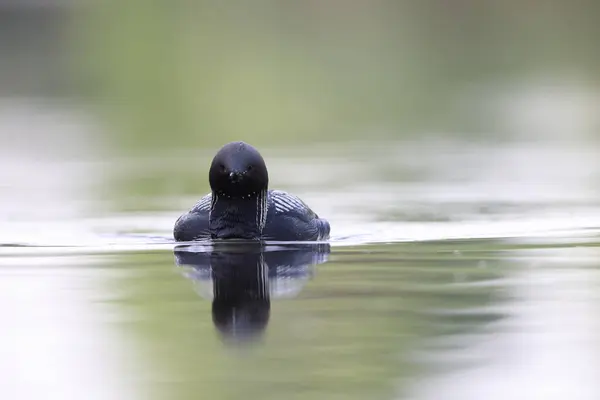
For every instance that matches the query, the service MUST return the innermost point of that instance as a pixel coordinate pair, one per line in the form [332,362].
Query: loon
[241,206]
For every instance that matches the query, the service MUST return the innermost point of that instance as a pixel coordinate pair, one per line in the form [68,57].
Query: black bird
[241,206]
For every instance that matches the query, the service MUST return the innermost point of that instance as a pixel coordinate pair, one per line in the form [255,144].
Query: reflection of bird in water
[241,279]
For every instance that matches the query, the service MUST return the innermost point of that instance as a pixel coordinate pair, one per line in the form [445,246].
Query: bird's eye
[222,167]
[249,168]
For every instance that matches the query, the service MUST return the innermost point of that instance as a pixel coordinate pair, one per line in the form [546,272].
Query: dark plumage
[241,206]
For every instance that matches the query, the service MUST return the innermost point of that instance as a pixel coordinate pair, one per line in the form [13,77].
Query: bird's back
[288,219]
[194,224]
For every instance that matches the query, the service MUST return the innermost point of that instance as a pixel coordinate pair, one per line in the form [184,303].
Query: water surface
[455,270]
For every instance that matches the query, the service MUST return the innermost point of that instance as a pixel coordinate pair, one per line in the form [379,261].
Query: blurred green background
[170,80]
[183,74]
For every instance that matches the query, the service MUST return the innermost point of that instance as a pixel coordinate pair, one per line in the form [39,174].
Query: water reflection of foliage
[351,333]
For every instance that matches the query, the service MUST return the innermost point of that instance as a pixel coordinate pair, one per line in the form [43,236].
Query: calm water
[456,270]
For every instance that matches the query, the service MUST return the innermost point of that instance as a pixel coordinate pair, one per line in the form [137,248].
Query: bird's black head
[238,171]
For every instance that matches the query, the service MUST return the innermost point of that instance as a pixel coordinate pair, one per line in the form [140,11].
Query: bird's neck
[238,218]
